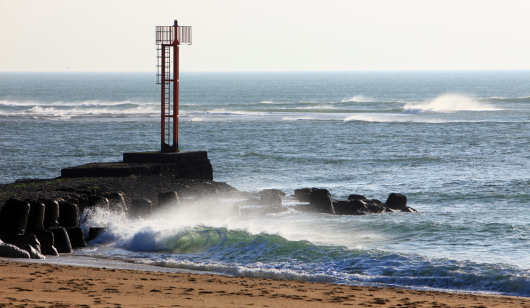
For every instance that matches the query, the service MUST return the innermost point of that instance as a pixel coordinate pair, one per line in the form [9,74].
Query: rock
[320,201]
[358,206]
[68,214]
[356,197]
[27,239]
[374,206]
[95,231]
[51,213]
[77,237]
[271,197]
[12,251]
[409,210]
[117,202]
[61,240]
[33,253]
[36,216]
[168,199]
[14,216]
[46,240]
[81,201]
[140,208]
[98,202]
[350,207]
[396,202]
[303,194]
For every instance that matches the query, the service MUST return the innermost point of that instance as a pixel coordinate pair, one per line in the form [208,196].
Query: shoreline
[45,284]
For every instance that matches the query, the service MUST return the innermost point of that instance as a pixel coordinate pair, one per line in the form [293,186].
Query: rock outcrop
[320,201]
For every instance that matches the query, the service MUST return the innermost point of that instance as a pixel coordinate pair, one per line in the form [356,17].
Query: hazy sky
[272,35]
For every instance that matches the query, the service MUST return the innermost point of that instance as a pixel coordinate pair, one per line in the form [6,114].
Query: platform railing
[166,34]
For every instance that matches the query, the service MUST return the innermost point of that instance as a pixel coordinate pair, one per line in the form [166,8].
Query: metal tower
[168,38]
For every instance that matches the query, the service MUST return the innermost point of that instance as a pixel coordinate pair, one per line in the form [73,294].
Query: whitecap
[358,99]
[449,103]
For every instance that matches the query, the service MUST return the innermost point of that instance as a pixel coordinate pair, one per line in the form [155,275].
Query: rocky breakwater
[45,217]
[319,200]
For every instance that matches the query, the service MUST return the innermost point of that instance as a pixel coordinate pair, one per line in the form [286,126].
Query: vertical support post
[176,90]
[163,98]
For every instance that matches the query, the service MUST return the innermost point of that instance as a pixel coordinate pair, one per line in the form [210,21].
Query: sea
[456,143]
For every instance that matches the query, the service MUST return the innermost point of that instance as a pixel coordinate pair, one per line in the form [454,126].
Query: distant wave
[66,110]
[89,103]
[389,117]
[317,107]
[358,99]
[449,103]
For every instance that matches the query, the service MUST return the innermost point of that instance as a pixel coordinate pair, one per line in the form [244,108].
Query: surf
[448,103]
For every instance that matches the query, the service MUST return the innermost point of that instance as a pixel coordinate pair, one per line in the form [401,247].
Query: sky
[272,35]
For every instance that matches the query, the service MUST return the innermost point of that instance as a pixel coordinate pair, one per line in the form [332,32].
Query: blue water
[455,143]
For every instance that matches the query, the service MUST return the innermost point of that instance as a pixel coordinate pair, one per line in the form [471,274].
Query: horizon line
[290,71]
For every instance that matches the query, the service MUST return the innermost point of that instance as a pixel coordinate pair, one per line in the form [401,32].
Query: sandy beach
[24,284]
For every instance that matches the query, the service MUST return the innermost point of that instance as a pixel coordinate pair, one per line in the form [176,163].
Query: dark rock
[12,251]
[95,232]
[350,207]
[168,199]
[77,237]
[374,206]
[61,240]
[409,210]
[68,214]
[140,207]
[33,253]
[98,202]
[117,202]
[27,239]
[303,194]
[51,213]
[356,197]
[320,201]
[271,197]
[36,216]
[46,240]
[82,203]
[14,216]
[396,202]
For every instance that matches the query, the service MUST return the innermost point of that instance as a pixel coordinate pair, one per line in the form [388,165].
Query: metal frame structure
[167,38]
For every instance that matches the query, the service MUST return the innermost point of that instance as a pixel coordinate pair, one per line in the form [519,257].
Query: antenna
[168,39]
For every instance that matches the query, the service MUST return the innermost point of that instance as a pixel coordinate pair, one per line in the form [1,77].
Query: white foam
[449,103]
[389,117]
[318,107]
[358,99]
[66,110]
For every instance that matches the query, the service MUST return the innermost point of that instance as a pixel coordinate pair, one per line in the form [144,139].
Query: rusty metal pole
[176,90]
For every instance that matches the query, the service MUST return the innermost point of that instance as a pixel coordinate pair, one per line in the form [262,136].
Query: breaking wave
[358,99]
[70,109]
[231,245]
[449,103]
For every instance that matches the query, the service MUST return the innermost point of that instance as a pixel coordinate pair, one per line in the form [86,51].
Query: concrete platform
[160,157]
[189,165]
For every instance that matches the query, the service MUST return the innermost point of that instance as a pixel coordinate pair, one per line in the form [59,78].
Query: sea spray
[192,238]
[449,103]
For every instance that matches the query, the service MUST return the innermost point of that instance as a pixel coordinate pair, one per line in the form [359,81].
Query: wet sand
[31,284]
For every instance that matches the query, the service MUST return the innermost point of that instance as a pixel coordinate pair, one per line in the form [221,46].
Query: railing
[166,35]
